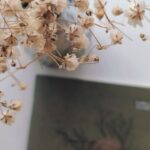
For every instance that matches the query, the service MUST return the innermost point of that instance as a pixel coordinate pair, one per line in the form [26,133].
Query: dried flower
[74,31]
[71,62]
[99,8]
[3,103]
[80,42]
[89,59]
[100,13]
[15,105]
[36,41]
[81,4]
[77,36]
[143,37]
[116,11]
[9,7]
[136,13]
[116,38]
[89,12]
[8,117]
[61,5]
[87,22]
[99,4]
[22,86]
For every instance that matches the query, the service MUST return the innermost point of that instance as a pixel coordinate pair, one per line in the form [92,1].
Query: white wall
[127,64]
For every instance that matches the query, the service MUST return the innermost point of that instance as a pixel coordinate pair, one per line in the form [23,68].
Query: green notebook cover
[71,114]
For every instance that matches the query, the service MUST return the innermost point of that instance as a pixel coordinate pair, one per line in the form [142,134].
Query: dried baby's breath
[87,22]
[22,86]
[8,118]
[40,25]
[89,59]
[116,38]
[99,8]
[144,37]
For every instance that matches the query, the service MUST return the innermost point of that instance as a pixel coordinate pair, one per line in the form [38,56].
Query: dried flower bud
[89,13]
[116,38]
[87,22]
[116,11]
[89,59]
[93,58]
[142,35]
[36,41]
[9,6]
[100,14]
[61,5]
[81,4]
[102,47]
[8,117]
[99,4]
[99,8]
[15,105]
[13,63]
[77,37]
[22,86]
[74,31]
[81,42]
[136,13]
[3,67]
[71,62]
[3,103]
[144,39]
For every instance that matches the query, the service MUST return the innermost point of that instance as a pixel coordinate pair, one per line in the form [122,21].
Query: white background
[128,64]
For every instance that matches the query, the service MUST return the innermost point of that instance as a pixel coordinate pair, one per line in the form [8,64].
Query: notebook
[70,114]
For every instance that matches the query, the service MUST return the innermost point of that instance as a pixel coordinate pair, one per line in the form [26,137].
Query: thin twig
[95,37]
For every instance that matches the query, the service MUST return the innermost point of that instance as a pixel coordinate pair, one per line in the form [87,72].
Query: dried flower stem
[110,22]
[6,23]
[52,58]
[101,26]
[14,72]
[95,37]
